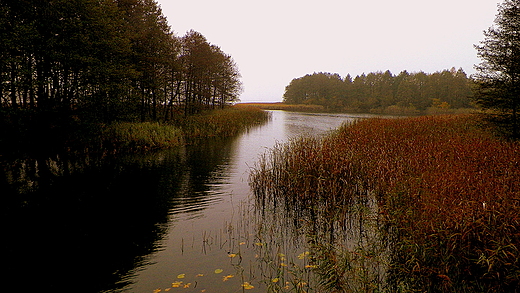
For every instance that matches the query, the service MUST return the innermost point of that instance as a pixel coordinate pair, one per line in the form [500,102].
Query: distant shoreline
[392,110]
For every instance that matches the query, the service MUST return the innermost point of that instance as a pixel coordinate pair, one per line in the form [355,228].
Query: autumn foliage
[448,194]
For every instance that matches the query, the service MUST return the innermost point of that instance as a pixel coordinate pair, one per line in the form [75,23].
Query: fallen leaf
[275,280]
[199,275]
[232,254]
[225,278]
[303,255]
[247,286]
[176,284]
[181,276]
[187,285]
[218,271]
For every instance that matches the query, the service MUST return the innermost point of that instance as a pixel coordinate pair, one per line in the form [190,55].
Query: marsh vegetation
[439,197]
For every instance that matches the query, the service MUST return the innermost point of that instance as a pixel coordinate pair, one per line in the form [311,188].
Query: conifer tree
[498,75]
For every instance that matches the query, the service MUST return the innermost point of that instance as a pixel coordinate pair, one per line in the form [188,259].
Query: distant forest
[106,60]
[383,92]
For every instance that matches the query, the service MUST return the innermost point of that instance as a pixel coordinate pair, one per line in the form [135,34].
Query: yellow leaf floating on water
[176,284]
[187,285]
[275,280]
[199,275]
[247,286]
[167,289]
[283,264]
[241,243]
[259,244]
[157,290]
[225,278]
[311,266]
[181,276]
[218,271]
[303,255]
[232,254]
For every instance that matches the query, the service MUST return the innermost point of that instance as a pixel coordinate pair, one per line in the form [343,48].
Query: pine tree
[498,75]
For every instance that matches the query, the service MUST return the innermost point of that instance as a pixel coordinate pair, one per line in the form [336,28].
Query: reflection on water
[138,223]
[82,224]
[85,223]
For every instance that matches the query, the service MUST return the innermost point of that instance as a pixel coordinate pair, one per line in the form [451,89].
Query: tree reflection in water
[85,223]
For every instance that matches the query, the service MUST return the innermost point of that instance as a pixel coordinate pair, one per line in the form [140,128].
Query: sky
[275,41]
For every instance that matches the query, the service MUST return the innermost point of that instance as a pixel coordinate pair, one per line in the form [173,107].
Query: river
[165,221]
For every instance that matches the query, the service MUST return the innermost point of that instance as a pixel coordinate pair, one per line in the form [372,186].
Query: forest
[66,61]
[383,92]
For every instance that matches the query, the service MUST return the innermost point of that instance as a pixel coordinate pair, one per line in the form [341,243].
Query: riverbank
[216,123]
[446,189]
[26,133]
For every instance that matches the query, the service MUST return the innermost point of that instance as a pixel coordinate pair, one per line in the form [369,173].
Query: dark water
[142,223]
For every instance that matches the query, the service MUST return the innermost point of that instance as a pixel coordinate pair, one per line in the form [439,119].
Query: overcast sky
[274,41]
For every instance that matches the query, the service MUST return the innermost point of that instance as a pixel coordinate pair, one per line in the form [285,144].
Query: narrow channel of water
[173,219]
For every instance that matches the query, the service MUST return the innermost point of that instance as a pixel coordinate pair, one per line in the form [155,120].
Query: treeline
[104,61]
[382,91]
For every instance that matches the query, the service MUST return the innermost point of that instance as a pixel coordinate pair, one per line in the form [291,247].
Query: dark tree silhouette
[498,75]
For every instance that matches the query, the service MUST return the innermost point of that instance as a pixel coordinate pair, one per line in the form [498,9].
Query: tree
[498,75]
[210,77]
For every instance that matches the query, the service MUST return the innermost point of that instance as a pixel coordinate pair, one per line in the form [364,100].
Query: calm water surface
[143,223]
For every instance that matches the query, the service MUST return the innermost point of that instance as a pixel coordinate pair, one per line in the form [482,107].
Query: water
[142,223]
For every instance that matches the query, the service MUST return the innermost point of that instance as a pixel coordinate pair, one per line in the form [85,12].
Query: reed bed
[223,123]
[146,135]
[153,135]
[447,191]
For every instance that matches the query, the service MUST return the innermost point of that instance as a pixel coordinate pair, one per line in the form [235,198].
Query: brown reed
[448,191]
